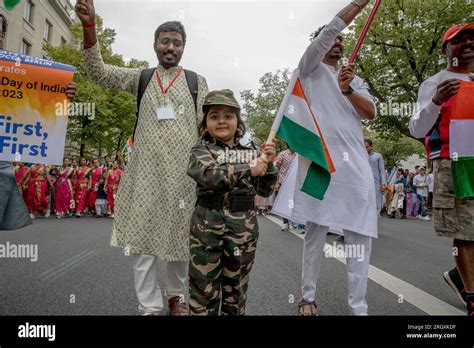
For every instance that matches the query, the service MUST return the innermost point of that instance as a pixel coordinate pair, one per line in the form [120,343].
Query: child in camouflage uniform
[224,228]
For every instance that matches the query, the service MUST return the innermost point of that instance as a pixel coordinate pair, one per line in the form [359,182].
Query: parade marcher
[452,216]
[94,175]
[340,99]
[224,227]
[155,198]
[101,198]
[378,170]
[63,191]
[397,206]
[37,192]
[81,192]
[420,183]
[22,176]
[285,158]
[111,186]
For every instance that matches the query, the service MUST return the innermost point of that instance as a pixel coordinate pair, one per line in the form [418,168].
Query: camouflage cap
[222,97]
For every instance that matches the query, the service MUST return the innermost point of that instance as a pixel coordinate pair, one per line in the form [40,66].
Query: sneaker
[112,216]
[78,215]
[284,227]
[453,278]
[32,216]
[425,218]
[48,214]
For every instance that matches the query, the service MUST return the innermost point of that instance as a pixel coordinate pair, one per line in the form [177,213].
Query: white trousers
[145,272]
[357,267]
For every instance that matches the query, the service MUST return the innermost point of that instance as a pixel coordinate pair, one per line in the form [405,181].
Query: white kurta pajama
[349,203]
[156,197]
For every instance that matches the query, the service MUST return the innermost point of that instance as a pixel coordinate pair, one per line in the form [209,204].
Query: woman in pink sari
[96,173]
[63,193]
[81,192]
[22,176]
[36,195]
[111,186]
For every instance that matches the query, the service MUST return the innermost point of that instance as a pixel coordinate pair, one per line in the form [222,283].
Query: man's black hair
[368,141]
[169,27]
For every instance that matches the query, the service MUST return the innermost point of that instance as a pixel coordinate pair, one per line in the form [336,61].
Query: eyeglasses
[166,42]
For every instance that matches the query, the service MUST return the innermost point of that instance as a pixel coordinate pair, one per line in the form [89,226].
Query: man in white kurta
[349,203]
[378,170]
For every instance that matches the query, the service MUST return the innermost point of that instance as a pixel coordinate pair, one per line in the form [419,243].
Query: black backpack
[145,77]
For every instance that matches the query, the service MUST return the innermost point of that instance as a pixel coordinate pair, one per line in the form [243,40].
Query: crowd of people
[409,194]
[72,189]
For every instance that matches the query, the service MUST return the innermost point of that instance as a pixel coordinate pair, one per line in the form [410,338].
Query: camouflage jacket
[219,168]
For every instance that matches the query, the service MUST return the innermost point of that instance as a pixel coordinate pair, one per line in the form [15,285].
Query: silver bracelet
[357,4]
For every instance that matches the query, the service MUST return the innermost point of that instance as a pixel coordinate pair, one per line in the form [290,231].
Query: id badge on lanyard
[166,112]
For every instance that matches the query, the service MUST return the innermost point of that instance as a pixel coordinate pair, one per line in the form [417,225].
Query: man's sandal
[303,303]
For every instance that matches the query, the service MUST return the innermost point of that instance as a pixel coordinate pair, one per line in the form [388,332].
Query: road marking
[417,297]
[68,265]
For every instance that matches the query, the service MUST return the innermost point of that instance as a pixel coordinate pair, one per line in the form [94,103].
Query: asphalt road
[77,273]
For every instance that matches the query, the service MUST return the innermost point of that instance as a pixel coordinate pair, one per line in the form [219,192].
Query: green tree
[107,131]
[262,107]
[401,50]
[395,150]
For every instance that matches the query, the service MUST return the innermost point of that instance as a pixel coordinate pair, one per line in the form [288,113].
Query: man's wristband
[348,92]
[357,4]
[89,24]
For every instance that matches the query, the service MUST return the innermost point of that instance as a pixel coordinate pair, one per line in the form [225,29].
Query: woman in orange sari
[36,196]
[81,192]
[111,186]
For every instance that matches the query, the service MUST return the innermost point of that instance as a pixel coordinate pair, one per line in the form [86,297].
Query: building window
[63,41]
[29,10]
[25,47]
[3,31]
[47,31]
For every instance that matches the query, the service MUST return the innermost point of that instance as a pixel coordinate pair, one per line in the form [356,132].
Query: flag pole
[364,32]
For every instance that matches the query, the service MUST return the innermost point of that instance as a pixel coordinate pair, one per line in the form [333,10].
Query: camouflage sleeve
[110,76]
[266,184]
[206,171]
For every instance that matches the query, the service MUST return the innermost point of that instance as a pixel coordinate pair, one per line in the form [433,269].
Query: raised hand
[346,76]
[71,90]
[446,90]
[85,11]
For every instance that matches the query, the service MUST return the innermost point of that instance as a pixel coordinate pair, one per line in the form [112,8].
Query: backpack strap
[192,80]
[145,78]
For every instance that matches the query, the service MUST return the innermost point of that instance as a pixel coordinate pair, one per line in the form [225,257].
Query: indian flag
[127,150]
[297,125]
[461,141]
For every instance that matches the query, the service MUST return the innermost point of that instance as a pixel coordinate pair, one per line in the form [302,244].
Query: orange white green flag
[296,124]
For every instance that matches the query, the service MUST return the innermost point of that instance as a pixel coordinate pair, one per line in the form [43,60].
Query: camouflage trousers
[453,217]
[222,253]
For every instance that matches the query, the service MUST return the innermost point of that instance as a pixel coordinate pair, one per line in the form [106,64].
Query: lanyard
[171,83]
